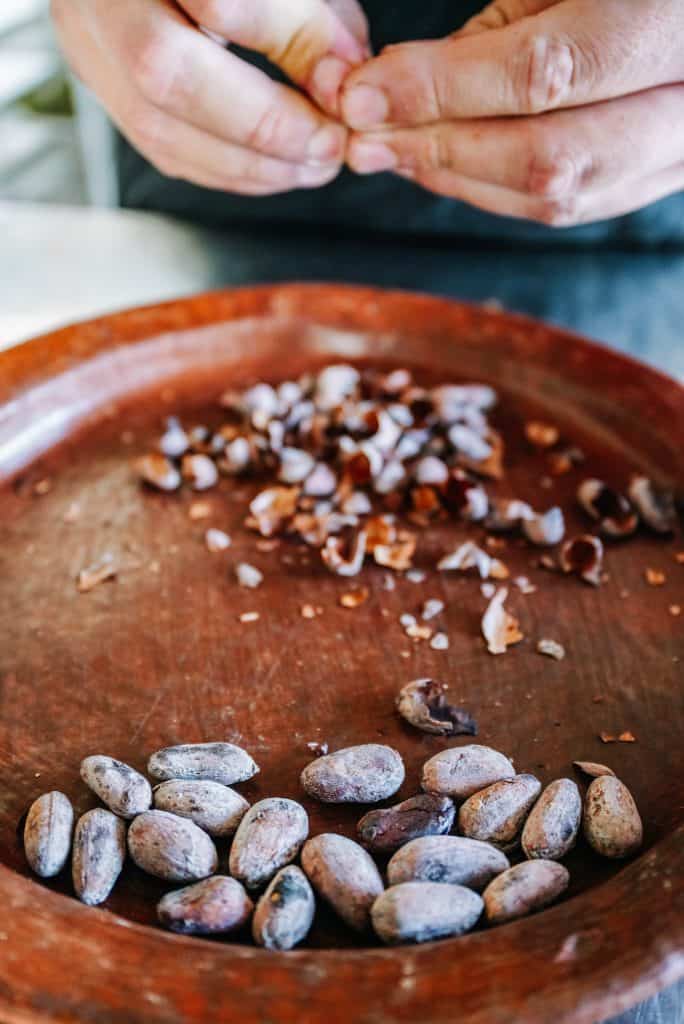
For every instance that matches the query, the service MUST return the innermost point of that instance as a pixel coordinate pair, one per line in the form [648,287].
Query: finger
[558,212]
[305,38]
[560,153]
[353,16]
[206,178]
[171,145]
[178,70]
[573,53]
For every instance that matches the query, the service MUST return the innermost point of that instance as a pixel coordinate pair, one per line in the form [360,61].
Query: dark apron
[384,205]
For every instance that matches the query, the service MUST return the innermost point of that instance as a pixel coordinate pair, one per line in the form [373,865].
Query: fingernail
[365,107]
[326,81]
[327,145]
[371,157]
[310,177]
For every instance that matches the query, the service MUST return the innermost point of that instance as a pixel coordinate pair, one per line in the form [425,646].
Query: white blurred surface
[60,264]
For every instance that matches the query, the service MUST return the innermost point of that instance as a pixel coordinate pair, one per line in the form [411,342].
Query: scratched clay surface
[158,656]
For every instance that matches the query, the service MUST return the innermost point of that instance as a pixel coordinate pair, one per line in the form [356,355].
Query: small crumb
[93,575]
[417,632]
[623,737]
[546,483]
[127,437]
[406,620]
[431,609]
[598,699]
[217,540]
[524,586]
[624,594]
[249,576]
[548,562]
[73,513]
[42,487]
[495,543]
[675,609]
[488,590]
[249,617]
[679,557]
[440,642]
[307,611]
[154,567]
[318,749]
[540,434]
[416,576]
[36,775]
[551,648]
[389,583]
[354,598]
[266,545]
[199,510]
[654,577]
[404,654]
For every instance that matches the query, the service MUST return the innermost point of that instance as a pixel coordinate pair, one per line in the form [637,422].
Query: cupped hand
[199,112]
[561,112]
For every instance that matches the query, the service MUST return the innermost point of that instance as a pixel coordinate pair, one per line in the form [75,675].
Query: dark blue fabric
[384,205]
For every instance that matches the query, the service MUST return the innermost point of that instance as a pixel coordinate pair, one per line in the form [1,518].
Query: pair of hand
[560,111]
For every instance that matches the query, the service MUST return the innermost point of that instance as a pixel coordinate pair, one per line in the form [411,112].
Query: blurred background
[41,158]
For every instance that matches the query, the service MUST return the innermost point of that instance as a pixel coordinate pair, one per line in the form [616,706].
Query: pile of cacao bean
[436,884]
[348,453]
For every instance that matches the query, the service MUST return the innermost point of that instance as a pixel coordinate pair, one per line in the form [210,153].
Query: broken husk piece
[423,704]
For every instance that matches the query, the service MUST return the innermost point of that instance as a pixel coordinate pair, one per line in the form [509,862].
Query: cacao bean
[99,855]
[47,833]
[269,836]
[496,814]
[217,762]
[553,823]
[423,911]
[285,912]
[461,771]
[214,906]
[524,889]
[384,831]
[449,859]
[345,875]
[212,806]
[363,774]
[124,790]
[612,824]
[170,847]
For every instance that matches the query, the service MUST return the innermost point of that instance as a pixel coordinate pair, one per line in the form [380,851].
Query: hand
[197,111]
[561,112]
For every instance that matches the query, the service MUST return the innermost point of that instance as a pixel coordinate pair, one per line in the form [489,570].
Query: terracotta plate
[158,656]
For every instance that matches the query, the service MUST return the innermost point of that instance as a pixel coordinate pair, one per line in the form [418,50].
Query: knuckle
[559,212]
[306,43]
[552,175]
[155,67]
[147,126]
[558,168]
[546,70]
[269,130]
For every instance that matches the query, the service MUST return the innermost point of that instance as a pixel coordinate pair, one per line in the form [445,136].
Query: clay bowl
[159,657]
